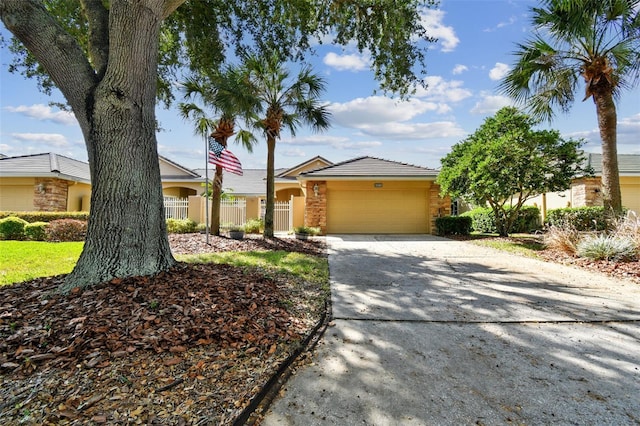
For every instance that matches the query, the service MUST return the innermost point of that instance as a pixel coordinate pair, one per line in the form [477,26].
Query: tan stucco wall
[79,197]
[181,190]
[630,189]
[16,194]
[586,192]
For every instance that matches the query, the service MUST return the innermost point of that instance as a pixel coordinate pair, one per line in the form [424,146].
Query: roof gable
[371,167]
[171,169]
[314,163]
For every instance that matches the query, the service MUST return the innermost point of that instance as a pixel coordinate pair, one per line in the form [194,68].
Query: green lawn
[311,268]
[521,244]
[26,260]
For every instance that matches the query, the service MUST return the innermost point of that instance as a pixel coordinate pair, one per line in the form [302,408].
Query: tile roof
[371,167]
[251,183]
[45,165]
[628,164]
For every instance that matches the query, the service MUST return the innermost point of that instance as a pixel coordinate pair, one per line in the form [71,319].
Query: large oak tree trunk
[268,214]
[127,233]
[607,122]
[115,107]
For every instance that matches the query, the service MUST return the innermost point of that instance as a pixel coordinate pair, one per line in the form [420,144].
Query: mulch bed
[621,270]
[193,345]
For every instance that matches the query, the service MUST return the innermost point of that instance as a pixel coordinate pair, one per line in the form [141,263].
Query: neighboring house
[252,187]
[586,191]
[362,195]
[369,195]
[52,182]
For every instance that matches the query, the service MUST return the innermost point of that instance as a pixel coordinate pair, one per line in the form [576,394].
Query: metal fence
[176,208]
[283,216]
[233,212]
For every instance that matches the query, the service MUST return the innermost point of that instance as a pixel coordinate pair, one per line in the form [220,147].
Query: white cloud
[490,104]
[315,140]
[377,109]
[439,129]
[350,62]
[432,22]
[44,113]
[628,131]
[295,152]
[355,146]
[441,90]
[48,139]
[498,71]
[512,20]
[459,69]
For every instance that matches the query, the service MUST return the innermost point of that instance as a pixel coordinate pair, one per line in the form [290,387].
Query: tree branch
[57,51]
[98,19]
[170,6]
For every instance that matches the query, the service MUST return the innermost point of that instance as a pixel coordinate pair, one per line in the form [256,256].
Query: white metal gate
[283,216]
[176,208]
[233,212]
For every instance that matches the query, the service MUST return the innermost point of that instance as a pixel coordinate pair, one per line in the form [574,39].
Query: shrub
[309,230]
[528,219]
[564,238]
[181,226]
[582,218]
[254,226]
[36,231]
[66,230]
[12,228]
[483,219]
[453,225]
[607,247]
[46,216]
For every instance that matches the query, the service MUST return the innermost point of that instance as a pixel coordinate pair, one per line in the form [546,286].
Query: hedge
[581,218]
[483,220]
[453,225]
[46,216]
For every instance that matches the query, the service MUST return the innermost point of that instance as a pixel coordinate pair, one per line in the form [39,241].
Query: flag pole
[206,187]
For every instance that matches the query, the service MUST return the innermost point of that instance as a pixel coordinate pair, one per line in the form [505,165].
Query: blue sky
[476,41]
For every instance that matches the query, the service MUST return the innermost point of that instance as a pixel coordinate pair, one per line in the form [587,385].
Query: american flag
[224,158]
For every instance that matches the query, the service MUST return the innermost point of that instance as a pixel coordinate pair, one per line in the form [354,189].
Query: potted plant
[236,232]
[303,232]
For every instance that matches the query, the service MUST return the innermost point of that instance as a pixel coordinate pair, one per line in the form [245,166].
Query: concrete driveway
[428,331]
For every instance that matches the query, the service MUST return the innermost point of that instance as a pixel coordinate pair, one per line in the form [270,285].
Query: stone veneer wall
[586,192]
[50,195]
[315,209]
[438,206]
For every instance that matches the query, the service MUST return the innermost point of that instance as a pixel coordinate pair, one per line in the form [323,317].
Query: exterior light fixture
[316,189]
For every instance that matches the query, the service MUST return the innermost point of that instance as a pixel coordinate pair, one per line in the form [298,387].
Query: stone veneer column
[586,192]
[315,209]
[438,206]
[50,195]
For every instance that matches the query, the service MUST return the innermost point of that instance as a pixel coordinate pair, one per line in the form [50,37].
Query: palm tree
[281,102]
[222,94]
[598,40]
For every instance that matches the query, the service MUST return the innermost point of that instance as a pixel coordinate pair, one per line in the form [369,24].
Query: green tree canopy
[113,59]
[505,162]
[281,101]
[598,40]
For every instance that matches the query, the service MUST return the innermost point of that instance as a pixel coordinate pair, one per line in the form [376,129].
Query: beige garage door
[398,211]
